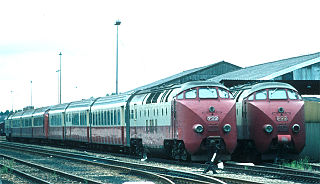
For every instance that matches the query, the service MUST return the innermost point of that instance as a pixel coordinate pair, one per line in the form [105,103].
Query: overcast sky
[156,39]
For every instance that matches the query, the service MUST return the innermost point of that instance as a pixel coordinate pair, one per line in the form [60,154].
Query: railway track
[275,172]
[40,174]
[282,174]
[156,174]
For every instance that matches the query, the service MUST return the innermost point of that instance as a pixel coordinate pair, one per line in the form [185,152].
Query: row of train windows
[55,120]
[275,94]
[204,93]
[77,118]
[111,117]
[148,113]
[27,122]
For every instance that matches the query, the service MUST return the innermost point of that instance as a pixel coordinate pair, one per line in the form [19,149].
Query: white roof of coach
[40,111]
[80,105]
[58,108]
[28,113]
[109,101]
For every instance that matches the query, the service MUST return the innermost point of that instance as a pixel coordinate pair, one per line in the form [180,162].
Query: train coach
[182,121]
[270,120]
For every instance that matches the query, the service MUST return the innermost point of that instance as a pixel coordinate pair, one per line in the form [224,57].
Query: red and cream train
[183,121]
[270,120]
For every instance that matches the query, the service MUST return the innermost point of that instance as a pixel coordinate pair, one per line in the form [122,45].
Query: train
[270,121]
[2,132]
[182,121]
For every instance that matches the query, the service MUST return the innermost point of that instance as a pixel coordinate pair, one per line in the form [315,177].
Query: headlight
[198,128]
[227,128]
[281,110]
[296,128]
[268,128]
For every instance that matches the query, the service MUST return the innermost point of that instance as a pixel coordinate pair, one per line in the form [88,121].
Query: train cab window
[261,95]
[293,95]
[191,94]
[250,97]
[277,94]
[180,97]
[223,93]
[208,93]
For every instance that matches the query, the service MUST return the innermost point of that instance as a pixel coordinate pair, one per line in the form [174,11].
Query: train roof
[27,113]
[249,89]
[17,114]
[164,93]
[266,85]
[110,100]
[59,107]
[40,111]
[84,104]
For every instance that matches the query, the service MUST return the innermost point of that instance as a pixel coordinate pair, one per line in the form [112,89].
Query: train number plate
[282,118]
[213,118]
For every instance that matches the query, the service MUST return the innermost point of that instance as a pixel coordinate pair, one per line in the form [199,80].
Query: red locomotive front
[205,115]
[275,118]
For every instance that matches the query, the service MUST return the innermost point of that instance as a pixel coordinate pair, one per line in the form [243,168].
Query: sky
[157,39]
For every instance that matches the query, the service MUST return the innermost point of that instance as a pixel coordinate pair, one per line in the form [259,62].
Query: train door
[46,124]
[174,120]
[121,118]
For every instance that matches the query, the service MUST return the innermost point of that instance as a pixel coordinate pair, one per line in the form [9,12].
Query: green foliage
[4,170]
[301,164]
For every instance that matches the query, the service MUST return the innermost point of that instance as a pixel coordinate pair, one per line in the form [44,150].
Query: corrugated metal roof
[182,74]
[270,70]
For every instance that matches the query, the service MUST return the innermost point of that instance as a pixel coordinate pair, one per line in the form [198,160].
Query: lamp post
[60,77]
[117,24]
[12,99]
[31,92]
[58,86]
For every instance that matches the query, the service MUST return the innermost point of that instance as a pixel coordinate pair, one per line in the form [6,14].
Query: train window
[132,114]
[111,117]
[191,94]
[293,95]
[155,97]
[135,113]
[168,94]
[250,97]
[231,95]
[115,117]
[149,100]
[277,94]
[223,93]
[208,93]
[108,118]
[261,95]
[119,116]
[105,118]
[179,97]
[75,119]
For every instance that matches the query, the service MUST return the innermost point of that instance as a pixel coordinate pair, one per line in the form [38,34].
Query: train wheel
[175,150]
[185,156]
[136,148]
